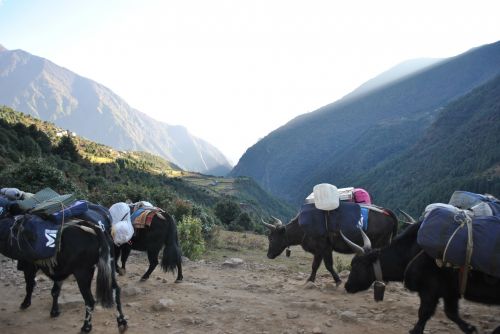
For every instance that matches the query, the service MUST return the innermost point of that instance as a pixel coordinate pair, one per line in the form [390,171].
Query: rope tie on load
[464,220]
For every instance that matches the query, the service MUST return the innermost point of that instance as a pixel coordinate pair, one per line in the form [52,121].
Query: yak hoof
[54,314]
[471,329]
[144,279]
[179,280]
[86,328]
[121,271]
[337,283]
[25,305]
[122,324]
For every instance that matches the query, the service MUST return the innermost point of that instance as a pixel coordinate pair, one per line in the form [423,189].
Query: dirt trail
[255,296]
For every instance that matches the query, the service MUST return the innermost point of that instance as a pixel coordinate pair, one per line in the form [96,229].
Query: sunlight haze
[233,71]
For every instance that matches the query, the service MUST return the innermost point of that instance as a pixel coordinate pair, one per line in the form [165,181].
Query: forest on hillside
[36,154]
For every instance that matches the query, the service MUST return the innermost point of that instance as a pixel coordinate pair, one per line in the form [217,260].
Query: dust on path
[256,296]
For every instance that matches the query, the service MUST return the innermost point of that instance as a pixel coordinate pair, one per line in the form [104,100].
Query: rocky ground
[221,295]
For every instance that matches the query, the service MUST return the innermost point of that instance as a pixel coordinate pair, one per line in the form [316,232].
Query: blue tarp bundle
[466,200]
[4,207]
[346,217]
[98,215]
[439,226]
[73,210]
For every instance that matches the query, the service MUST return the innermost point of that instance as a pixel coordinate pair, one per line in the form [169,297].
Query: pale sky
[232,71]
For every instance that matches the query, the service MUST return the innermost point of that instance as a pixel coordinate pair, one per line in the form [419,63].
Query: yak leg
[56,290]
[426,310]
[117,257]
[84,281]
[125,252]
[120,319]
[153,262]
[328,258]
[315,265]
[451,311]
[29,271]
[179,272]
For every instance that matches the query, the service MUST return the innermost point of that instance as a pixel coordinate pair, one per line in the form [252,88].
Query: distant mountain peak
[38,87]
[3,48]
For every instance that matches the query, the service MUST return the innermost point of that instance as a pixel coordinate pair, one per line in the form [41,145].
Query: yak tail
[171,252]
[104,281]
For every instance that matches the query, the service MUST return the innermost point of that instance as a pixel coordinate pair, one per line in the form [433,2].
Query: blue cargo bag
[438,228]
[346,217]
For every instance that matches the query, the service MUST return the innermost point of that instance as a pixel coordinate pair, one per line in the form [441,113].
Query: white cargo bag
[433,206]
[482,209]
[13,194]
[326,197]
[309,199]
[121,229]
[122,232]
[346,194]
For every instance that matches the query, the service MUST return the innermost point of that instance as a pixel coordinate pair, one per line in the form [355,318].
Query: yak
[161,233]
[382,227]
[405,261]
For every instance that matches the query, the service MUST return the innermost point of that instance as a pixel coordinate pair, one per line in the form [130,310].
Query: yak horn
[356,248]
[412,221]
[277,220]
[269,226]
[367,244]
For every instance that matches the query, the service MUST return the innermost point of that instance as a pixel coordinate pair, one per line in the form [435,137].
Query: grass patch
[253,248]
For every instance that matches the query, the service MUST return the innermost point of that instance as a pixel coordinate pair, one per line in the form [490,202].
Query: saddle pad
[438,228]
[136,214]
[145,218]
[317,222]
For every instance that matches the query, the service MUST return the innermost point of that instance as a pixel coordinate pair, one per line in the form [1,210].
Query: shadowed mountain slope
[345,140]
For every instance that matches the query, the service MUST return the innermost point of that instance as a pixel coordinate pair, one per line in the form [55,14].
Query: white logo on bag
[51,238]
[101,225]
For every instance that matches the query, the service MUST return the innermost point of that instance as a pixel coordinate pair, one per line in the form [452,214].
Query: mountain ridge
[41,88]
[340,141]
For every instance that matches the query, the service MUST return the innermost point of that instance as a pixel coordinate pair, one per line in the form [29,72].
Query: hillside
[40,88]
[36,154]
[460,150]
[345,140]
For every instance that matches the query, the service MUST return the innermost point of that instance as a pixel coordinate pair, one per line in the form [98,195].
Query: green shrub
[191,237]
[227,211]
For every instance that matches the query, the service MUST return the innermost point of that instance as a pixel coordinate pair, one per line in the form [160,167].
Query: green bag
[53,205]
[41,196]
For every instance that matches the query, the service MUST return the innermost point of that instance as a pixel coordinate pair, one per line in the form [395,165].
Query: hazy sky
[232,71]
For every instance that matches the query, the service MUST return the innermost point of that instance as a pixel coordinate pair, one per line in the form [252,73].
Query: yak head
[277,238]
[362,275]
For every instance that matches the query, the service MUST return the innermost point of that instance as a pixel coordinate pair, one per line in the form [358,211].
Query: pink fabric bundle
[361,196]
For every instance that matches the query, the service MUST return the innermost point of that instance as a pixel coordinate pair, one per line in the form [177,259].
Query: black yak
[405,261]
[382,227]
